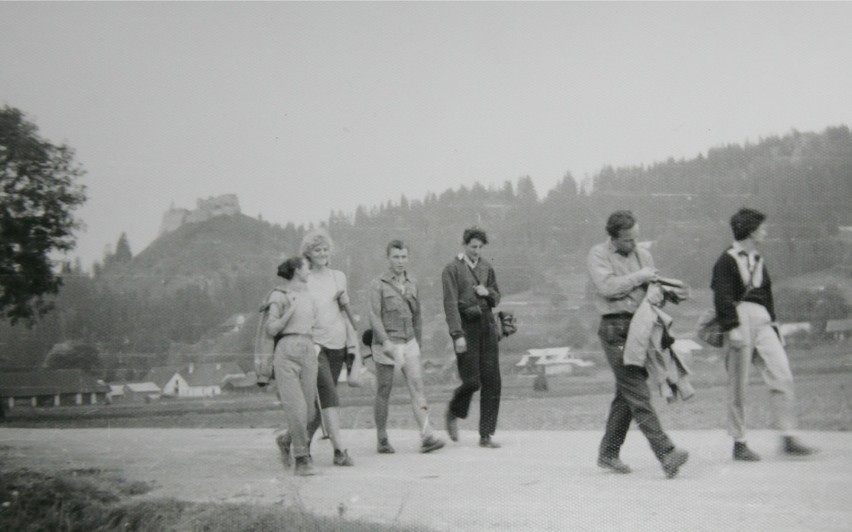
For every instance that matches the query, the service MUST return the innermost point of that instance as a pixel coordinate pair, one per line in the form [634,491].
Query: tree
[39,192]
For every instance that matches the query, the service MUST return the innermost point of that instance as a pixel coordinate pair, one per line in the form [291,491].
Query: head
[623,230]
[748,223]
[473,241]
[317,247]
[397,253]
[294,268]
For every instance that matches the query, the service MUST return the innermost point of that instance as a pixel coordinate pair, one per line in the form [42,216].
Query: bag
[471,312]
[264,343]
[506,324]
[709,328]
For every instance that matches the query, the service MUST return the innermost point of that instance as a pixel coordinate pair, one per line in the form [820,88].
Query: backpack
[264,343]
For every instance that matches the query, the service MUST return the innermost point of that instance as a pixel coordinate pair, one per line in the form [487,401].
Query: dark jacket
[458,283]
[729,288]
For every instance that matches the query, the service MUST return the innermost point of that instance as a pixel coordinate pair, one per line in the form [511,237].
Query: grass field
[823,385]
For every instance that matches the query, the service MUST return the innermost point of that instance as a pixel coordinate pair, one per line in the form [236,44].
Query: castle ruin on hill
[226,204]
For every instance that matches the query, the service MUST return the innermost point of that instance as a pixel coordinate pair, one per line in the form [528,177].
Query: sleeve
[449,283]
[606,282]
[280,311]
[417,317]
[493,292]
[724,288]
[379,333]
[770,302]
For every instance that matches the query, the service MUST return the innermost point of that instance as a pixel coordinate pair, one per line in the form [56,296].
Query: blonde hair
[314,238]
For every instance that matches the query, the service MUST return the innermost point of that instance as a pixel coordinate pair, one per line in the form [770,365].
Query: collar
[465,258]
[389,276]
[613,250]
[738,249]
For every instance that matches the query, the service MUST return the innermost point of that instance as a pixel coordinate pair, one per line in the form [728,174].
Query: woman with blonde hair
[333,333]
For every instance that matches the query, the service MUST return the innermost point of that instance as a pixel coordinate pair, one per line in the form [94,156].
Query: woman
[291,317]
[333,333]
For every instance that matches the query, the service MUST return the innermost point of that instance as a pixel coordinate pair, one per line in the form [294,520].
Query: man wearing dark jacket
[742,295]
[470,292]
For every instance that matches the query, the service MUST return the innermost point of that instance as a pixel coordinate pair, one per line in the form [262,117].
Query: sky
[301,109]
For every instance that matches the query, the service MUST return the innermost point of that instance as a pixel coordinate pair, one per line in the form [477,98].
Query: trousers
[295,364]
[763,347]
[632,399]
[479,369]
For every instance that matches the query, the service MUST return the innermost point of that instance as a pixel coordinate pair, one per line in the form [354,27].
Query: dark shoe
[673,461]
[303,467]
[431,444]
[452,426]
[488,443]
[793,447]
[614,464]
[743,454]
[342,458]
[283,442]
[384,447]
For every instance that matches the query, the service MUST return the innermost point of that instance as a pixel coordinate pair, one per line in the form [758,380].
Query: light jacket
[645,347]
[393,315]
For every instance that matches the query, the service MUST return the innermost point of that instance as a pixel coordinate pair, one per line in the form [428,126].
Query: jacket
[458,282]
[649,345]
[392,315]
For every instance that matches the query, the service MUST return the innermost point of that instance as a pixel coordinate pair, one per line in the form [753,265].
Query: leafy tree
[38,195]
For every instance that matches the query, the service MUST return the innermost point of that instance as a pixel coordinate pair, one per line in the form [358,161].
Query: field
[573,402]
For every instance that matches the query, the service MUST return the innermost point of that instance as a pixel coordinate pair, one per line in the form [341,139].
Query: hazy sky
[305,108]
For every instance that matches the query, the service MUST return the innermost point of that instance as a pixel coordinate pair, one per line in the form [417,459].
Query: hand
[389,348]
[481,291]
[342,298]
[655,295]
[646,275]
[736,338]
[460,345]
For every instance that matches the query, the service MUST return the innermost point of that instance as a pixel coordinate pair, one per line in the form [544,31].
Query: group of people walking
[310,319]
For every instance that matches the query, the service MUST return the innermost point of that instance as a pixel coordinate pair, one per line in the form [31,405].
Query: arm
[417,318]
[493,296]
[770,302]
[380,336]
[450,286]
[725,287]
[610,285]
[280,311]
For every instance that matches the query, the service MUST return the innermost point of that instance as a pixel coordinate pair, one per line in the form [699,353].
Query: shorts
[330,362]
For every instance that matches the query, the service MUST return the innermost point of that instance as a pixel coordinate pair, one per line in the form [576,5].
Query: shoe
[488,443]
[431,444]
[673,461]
[452,426]
[303,467]
[342,458]
[283,442]
[384,447]
[793,447]
[743,454]
[614,464]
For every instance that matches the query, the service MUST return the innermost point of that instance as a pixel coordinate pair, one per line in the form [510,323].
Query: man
[396,323]
[470,292]
[742,295]
[619,274]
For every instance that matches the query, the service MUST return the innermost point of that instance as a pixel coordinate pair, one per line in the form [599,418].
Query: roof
[142,387]
[49,382]
[160,375]
[838,325]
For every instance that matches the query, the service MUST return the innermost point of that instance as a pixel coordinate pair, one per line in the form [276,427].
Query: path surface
[539,480]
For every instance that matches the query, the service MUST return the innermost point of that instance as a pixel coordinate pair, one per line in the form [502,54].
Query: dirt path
[539,480]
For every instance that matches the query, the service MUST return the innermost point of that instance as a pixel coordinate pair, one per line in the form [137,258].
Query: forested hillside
[181,288]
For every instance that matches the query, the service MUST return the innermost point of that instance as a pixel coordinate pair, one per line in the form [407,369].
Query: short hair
[619,221]
[474,232]
[314,238]
[395,244]
[287,269]
[745,222]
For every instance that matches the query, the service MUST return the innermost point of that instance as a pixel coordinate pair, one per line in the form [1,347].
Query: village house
[194,379]
[58,387]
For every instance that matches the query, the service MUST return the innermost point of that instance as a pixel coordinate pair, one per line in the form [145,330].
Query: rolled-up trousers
[763,347]
[295,366]
[479,369]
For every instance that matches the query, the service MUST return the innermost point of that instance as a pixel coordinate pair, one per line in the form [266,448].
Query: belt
[617,316]
[297,334]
